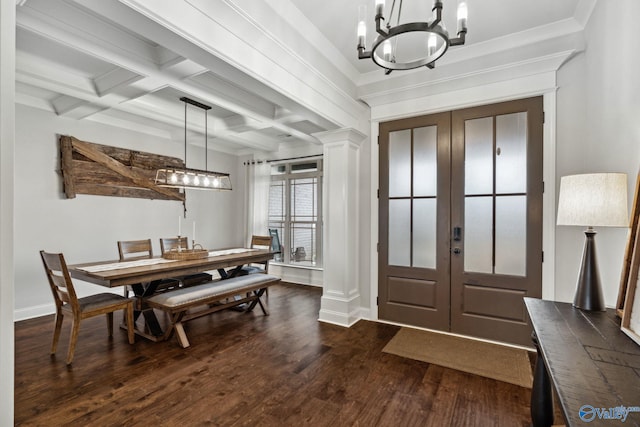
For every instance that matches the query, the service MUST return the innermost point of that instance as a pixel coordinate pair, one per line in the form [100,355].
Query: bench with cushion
[217,295]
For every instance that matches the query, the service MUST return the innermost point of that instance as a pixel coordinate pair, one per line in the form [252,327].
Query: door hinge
[377,300]
[542,256]
[542,187]
[543,117]
[378,193]
[378,247]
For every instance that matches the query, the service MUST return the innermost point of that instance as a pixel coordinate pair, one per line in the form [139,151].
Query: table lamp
[592,200]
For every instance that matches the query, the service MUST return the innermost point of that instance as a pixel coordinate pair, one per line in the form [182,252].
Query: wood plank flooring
[286,369]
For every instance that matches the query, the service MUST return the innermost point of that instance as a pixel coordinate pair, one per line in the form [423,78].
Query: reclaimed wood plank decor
[629,251]
[631,312]
[89,168]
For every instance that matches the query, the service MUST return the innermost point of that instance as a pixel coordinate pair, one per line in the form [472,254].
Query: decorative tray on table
[186,254]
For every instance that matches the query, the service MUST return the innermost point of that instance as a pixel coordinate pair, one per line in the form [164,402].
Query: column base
[339,310]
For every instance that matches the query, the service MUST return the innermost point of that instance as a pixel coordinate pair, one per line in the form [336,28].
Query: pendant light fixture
[393,49]
[193,178]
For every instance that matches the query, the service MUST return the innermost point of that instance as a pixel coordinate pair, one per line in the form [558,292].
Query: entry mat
[489,360]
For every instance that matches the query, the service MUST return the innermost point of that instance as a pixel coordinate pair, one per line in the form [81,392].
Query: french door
[461,219]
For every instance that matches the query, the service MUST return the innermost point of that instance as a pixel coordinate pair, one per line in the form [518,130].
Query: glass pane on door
[478,236]
[400,163]
[424,233]
[425,169]
[478,156]
[511,153]
[400,232]
[511,235]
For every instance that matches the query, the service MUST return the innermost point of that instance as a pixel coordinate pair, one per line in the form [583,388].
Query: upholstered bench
[216,296]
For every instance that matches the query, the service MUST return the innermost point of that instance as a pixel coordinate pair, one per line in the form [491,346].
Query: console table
[592,365]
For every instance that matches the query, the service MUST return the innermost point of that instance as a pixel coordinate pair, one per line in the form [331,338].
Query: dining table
[143,275]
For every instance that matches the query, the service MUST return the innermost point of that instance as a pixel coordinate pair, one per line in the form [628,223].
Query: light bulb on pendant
[386,50]
[185,179]
[196,180]
[206,181]
[174,178]
[432,44]
[362,27]
[362,34]
[216,182]
[462,16]
[379,7]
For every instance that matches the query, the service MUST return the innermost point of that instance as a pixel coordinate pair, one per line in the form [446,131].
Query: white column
[340,302]
[7,138]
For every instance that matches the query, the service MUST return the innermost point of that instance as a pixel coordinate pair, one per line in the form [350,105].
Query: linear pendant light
[188,177]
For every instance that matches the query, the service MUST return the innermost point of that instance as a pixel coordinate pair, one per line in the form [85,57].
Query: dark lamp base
[588,291]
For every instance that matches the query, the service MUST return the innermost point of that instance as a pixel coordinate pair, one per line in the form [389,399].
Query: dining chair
[67,301]
[182,242]
[132,250]
[276,247]
[172,243]
[258,242]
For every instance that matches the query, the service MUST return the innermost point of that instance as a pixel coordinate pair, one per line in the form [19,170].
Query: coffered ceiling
[103,60]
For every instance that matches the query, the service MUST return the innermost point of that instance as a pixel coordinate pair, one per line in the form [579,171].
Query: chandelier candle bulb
[362,27]
[379,8]
[462,16]
[386,50]
[362,34]
[433,41]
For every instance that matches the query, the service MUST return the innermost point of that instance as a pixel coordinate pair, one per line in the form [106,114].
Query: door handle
[457,234]
[457,251]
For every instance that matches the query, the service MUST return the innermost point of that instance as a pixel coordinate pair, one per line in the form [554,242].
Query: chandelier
[431,37]
[173,177]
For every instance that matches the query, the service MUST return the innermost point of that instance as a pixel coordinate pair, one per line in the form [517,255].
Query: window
[295,210]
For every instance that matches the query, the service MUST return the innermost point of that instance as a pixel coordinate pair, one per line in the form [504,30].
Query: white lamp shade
[593,200]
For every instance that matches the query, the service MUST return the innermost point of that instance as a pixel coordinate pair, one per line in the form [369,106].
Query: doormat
[489,360]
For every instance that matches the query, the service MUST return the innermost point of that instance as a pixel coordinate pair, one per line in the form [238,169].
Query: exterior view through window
[295,211]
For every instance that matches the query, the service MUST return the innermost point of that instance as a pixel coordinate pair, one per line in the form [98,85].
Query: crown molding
[500,66]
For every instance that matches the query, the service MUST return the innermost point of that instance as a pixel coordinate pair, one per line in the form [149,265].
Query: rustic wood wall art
[630,324]
[632,246]
[89,168]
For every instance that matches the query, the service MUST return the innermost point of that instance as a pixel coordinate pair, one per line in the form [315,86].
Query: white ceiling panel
[106,61]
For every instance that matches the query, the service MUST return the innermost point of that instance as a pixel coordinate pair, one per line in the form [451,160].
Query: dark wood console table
[593,366]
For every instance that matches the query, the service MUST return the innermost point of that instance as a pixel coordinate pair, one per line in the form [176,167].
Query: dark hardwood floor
[286,369]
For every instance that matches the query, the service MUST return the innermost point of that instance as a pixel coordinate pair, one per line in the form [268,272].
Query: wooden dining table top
[166,268]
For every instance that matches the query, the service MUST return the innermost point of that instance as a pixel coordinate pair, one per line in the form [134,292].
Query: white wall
[7,146]
[87,228]
[599,131]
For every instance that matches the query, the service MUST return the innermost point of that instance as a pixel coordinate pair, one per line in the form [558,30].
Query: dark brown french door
[461,219]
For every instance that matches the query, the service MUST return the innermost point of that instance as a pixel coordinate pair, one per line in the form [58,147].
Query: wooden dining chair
[131,250]
[182,242]
[173,243]
[276,247]
[68,302]
[258,242]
